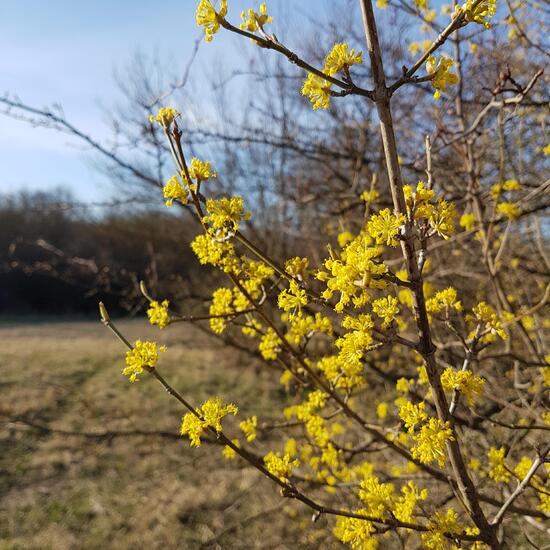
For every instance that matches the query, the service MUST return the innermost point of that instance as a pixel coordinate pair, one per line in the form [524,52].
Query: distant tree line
[57,256]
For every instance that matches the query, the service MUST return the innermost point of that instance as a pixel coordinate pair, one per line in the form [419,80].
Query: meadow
[88,460]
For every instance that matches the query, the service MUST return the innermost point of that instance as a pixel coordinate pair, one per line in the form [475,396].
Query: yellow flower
[442,219]
[173,190]
[292,299]
[377,496]
[480,13]
[208,18]
[442,77]
[193,428]
[270,345]
[214,252]
[415,47]
[524,465]
[222,304]
[317,89]
[253,21]
[497,464]
[511,185]
[143,356]
[357,533]
[357,269]
[405,505]
[248,427]
[200,170]
[467,221]
[387,309]
[280,467]
[463,381]
[384,227]
[431,441]
[382,4]
[444,300]
[228,452]
[165,116]
[297,267]
[225,214]
[442,525]
[403,385]
[382,410]
[158,313]
[369,196]
[418,202]
[509,210]
[412,415]
[338,58]
[344,238]
[546,150]
[483,314]
[210,415]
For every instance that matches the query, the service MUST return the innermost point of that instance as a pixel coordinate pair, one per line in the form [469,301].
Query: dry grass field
[88,460]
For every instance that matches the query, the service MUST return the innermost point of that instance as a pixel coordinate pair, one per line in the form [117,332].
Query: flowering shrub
[433,459]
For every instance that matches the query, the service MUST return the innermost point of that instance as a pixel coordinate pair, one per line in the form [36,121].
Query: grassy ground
[60,490]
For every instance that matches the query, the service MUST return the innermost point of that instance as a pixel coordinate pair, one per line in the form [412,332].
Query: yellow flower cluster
[480,13]
[222,304]
[178,190]
[483,314]
[412,414]
[422,207]
[292,299]
[444,300]
[209,19]
[415,47]
[174,190]
[200,170]
[384,227]
[443,524]
[509,210]
[442,77]
[339,58]
[431,441]
[304,326]
[253,21]
[357,269]
[165,116]
[228,452]
[280,466]
[158,313]
[464,381]
[209,415]
[341,373]
[498,470]
[225,214]
[217,253]
[248,427]
[226,302]
[318,88]
[270,345]
[143,356]
[387,309]
[430,434]
[354,344]
[297,267]
[468,221]
[358,533]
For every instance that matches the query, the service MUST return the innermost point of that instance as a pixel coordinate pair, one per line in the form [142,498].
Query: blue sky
[67,52]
